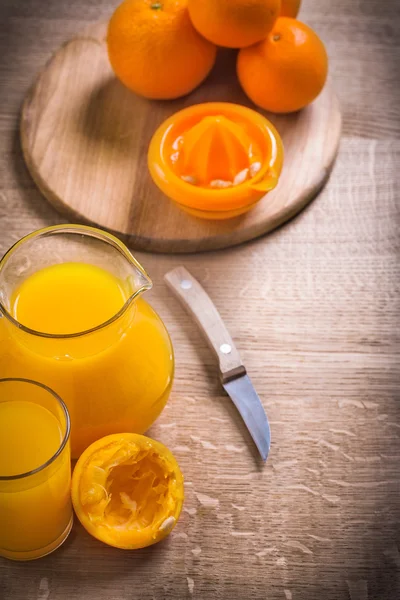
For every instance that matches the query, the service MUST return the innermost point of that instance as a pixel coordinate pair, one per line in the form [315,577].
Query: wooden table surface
[314,309]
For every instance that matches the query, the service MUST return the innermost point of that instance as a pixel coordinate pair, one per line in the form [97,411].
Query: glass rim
[90,232]
[64,441]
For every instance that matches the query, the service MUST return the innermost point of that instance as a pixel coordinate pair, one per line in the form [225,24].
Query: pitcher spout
[138,280]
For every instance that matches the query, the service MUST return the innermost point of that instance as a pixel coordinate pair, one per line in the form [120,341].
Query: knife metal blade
[246,400]
[233,374]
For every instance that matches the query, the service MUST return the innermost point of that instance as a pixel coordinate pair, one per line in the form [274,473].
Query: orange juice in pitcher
[73,318]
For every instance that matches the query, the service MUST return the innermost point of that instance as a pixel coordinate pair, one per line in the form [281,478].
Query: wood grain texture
[200,306]
[314,310]
[85,139]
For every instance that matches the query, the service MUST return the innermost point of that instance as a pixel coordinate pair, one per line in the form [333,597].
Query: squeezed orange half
[127,490]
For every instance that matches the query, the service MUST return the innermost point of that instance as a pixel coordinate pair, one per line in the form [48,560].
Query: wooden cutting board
[85,140]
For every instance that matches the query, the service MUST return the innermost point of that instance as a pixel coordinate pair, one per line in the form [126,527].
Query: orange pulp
[127,490]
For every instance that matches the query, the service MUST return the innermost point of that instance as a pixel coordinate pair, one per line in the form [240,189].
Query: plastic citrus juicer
[216,160]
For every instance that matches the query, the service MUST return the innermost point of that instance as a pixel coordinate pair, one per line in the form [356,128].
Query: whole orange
[290,8]
[287,70]
[234,23]
[155,50]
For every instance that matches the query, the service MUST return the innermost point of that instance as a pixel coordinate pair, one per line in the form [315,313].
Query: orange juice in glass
[35,470]
[72,316]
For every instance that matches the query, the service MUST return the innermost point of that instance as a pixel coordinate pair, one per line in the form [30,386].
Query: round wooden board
[85,139]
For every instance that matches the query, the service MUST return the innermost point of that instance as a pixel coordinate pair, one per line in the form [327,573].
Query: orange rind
[127,490]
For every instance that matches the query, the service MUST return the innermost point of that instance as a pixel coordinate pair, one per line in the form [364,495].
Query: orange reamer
[216,160]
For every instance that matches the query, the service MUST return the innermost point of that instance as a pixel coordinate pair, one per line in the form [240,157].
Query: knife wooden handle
[199,305]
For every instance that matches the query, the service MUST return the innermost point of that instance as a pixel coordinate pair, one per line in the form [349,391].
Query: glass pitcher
[113,369]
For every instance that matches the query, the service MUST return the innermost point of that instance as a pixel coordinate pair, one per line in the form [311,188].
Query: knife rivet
[225,349]
[186,284]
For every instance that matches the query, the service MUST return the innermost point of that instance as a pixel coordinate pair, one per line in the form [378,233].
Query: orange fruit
[290,8]
[287,70]
[234,23]
[127,490]
[155,50]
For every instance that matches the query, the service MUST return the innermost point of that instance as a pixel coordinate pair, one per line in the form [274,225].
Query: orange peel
[127,490]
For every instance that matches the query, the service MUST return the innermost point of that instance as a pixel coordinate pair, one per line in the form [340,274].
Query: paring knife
[232,371]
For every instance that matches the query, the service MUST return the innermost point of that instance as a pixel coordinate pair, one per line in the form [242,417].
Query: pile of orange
[163,49]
